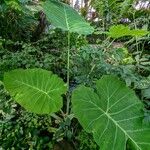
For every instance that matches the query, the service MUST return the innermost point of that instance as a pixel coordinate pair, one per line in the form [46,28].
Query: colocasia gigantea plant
[111,111]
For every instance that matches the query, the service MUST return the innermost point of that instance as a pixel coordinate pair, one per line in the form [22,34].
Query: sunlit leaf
[119,31]
[37,90]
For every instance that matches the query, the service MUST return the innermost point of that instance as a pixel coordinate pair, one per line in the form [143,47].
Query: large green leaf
[113,114]
[118,31]
[63,16]
[37,90]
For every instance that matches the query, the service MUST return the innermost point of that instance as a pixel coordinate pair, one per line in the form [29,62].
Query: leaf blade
[37,90]
[66,18]
[110,126]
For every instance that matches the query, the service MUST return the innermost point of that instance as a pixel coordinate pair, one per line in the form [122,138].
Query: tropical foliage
[114,114]
[76,80]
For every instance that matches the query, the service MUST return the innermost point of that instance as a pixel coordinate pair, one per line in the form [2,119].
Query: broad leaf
[113,114]
[37,90]
[65,17]
[119,31]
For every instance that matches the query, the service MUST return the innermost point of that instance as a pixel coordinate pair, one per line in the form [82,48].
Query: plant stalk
[136,39]
[68,73]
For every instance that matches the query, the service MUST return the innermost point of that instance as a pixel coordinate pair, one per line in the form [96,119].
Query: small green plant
[86,141]
[68,20]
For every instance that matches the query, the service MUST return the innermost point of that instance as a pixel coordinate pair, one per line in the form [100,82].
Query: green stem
[136,39]
[111,43]
[56,117]
[91,70]
[68,73]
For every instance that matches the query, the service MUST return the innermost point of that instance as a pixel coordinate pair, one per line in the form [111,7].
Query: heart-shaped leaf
[113,114]
[65,17]
[37,90]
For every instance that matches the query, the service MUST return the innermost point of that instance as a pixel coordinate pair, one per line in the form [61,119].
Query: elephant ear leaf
[37,90]
[65,17]
[113,114]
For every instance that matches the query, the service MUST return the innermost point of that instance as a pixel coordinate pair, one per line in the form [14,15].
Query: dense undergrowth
[91,57]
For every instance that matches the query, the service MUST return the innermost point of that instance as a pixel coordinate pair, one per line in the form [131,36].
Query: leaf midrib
[114,123]
[38,90]
[66,19]
[35,88]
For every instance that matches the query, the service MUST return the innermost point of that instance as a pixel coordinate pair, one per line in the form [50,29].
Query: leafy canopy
[112,113]
[37,90]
